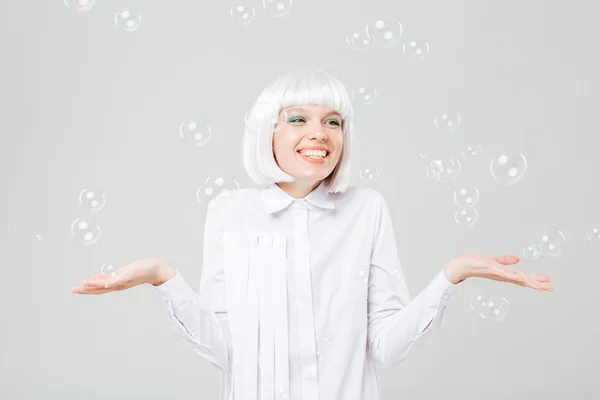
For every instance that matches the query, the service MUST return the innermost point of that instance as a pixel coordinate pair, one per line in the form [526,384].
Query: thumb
[508,259]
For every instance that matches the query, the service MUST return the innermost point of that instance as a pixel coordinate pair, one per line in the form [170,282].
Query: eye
[335,122]
[295,120]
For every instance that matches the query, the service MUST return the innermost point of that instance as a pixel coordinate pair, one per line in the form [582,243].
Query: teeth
[314,153]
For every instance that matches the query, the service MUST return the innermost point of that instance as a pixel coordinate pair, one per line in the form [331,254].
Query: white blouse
[302,298]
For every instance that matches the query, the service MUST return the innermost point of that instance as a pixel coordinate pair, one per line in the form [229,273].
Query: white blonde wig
[298,88]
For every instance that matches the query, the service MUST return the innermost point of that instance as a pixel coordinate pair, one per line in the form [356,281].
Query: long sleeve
[395,323]
[201,318]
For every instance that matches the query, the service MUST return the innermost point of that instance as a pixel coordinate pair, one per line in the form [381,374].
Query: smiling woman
[288,264]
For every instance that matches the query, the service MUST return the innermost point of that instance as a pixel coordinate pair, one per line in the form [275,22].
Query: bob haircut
[297,88]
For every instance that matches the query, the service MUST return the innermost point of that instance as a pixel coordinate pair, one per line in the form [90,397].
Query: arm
[395,322]
[201,318]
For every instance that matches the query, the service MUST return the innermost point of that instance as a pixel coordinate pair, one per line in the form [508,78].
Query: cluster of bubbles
[85,230]
[384,33]
[127,20]
[489,306]
[549,244]
[466,199]
[244,14]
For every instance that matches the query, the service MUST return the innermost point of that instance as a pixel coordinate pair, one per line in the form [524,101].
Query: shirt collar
[275,199]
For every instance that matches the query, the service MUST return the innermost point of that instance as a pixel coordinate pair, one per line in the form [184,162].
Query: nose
[317,135]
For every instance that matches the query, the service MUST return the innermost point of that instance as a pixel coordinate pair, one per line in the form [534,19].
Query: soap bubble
[195,132]
[128,21]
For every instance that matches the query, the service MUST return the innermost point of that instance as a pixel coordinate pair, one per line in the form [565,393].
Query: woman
[302,293]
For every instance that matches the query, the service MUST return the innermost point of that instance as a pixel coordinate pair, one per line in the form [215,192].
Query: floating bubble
[466,197]
[38,237]
[466,217]
[110,271]
[532,251]
[85,231]
[213,186]
[443,170]
[416,50]
[359,40]
[593,235]
[323,348]
[360,276]
[471,151]
[508,169]
[267,115]
[243,15]
[385,33]
[128,21]
[365,96]
[91,200]
[369,174]
[552,242]
[195,132]
[490,307]
[80,5]
[447,122]
[282,394]
[277,8]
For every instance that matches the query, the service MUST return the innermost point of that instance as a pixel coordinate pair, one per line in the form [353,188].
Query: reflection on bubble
[91,200]
[277,8]
[466,197]
[38,237]
[110,271]
[593,235]
[80,5]
[85,231]
[385,33]
[360,276]
[552,242]
[447,122]
[490,307]
[128,21]
[213,186]
[508,169]
[359,40]
[323,348]
[416,50]
[443,170]
[368,174]
[242,15]
[466,217]
[471,151]
[532,251]
[195,132]
[268,115]
[282,394]
[365,96]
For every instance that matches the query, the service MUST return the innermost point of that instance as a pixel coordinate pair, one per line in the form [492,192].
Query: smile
[313,158]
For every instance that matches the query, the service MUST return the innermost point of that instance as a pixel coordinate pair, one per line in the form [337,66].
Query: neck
[298,190]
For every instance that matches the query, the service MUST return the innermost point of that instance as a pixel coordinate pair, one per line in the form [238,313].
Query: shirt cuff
[440,288]
[175,291]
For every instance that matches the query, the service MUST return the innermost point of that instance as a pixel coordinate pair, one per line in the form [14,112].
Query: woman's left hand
[477,265]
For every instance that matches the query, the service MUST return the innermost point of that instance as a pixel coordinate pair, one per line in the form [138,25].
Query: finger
[508,259]
[98,276]
[88,290]
[510,274]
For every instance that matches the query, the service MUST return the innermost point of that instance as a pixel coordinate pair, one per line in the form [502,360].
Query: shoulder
[360,196]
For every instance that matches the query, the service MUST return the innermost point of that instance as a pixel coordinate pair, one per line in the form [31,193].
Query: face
[317,129]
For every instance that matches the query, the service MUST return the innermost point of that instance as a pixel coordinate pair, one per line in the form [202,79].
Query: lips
[314,160]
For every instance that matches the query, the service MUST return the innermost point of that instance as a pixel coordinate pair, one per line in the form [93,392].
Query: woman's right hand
[149,270]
